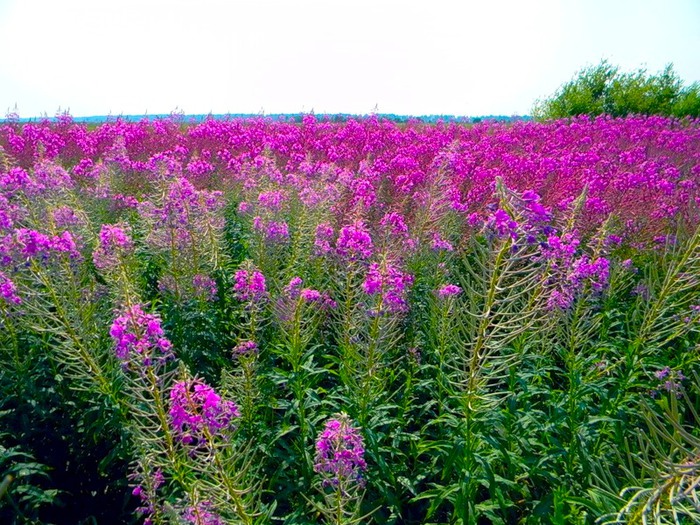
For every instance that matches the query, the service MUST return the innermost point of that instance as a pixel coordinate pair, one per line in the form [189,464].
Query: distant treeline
[287,117]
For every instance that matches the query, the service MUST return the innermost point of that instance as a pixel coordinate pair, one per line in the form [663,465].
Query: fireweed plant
[258,321]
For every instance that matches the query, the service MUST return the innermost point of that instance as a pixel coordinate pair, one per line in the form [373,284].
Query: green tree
[595,90]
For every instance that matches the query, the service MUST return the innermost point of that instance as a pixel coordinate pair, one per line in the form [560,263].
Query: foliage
[604,89]
[260,321]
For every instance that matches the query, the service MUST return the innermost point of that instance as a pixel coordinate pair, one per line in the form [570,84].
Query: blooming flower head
[202,514]
[249,285]
[139,336]
[324,236]
[449,290]
[243,207]
[503,224]
[293,288]
[65,243]
[390,283]
[8,290]
[204,286]
[537,216]
[65,216]
[114,243]
[395,224]
[276,231]
[669,380]
[245,348]
[311,296]
[146,492]
[32,243]
[439,243]
[271,200]
[198,413]
[354,242]
[340,453]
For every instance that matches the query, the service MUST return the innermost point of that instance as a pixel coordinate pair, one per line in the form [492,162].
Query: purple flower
[245,348]
[391,283]
[276,231]
[474,220]
[354,242]
[65,216]
[202,514]
[204,286]
[669,380]
[64,243]
[663,373]
[249,285]
[560,299]
[613,240]
[503,225]
[311,296]
[324,236]
[8,290]
[114,244]
[373,280]
[243,207]
[439,243]
[146,492]
[8,213]
[18,180]
[340,453]
[184,215]
[396,223]
[31,242]
[139,337]
[538,217]
[293,288]
[569,272]
[198,413]
[271,200]
[449,290]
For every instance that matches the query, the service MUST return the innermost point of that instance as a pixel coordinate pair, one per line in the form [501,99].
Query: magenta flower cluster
[245,348]
[272,231]
[324,238]
[340,453]
[449,290]
[249,285]
[146,492]
[139,339]
[294,290]
[8,290]
[391,284]
[570,271]
[114,243]
[354,242]
[205,287]
[669,381]
[202,513]
[33,244]
[197,413]
[643,168]
[184,215]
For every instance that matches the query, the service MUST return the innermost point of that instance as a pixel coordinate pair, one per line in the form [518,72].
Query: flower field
[258,321]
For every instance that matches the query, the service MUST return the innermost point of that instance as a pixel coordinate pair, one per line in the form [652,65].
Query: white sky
[99,57]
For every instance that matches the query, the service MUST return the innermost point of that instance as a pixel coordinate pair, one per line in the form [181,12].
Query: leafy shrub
[604,89]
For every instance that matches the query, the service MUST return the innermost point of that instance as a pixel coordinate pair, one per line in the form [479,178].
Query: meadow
[257,321]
